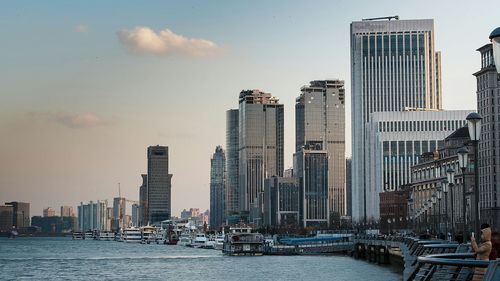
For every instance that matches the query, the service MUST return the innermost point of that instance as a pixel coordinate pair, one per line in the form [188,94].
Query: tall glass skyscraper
[217,179]
[159,185]
[232,162]
[260,146]
[393,66]
[320,117]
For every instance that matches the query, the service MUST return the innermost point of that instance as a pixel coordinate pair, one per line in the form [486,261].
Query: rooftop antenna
[382,18]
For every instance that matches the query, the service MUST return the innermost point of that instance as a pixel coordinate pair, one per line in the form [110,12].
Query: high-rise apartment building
[143,201]
[488,105]
[49,212]
[320,117]
[260,147]
[217,179]
[393,66]
[232,162]
[159,185]
[395,142]
[93,216]
[20,214]
[67,211]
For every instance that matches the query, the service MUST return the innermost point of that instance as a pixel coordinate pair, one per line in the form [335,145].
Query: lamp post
[463,159]
[474,122]
[439,196]
[434,221]
[450,173]
[444,186]
[495,40]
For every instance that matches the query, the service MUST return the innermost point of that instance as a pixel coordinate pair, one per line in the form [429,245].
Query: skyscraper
[232,162]
[260,147]
[119,212]
[159,185]
[143,201]
[393,66]
[20,213]
[488,100]
[312,173]
[217,179]
[320,117]
[281,201]
[135,214]
[6,216]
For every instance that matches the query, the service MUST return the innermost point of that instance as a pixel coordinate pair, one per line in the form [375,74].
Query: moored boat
[241,241]
[132,235]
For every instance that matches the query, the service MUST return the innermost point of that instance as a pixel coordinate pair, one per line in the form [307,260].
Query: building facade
[281,201]
[232,162]
[348,187]
[312,173]
[217,180]
[49,212]
[320,117]
[393,66]
[429,174]
[143,201]
[261,147]
[159,185]
[6,218]
[135,214]
[67,211]
[20,214]
[119,212]
[394,143]
[488,104]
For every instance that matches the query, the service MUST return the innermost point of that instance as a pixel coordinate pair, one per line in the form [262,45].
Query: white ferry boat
[105,236]
[89,235]
[241,241]
[78,235]
[132,235]
[148,234]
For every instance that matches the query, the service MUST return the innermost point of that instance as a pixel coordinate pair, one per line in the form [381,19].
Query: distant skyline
[86,87]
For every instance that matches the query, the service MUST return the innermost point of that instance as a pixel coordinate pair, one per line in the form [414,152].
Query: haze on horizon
[86,87]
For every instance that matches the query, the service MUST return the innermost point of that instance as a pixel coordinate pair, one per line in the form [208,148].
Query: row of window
[420,126]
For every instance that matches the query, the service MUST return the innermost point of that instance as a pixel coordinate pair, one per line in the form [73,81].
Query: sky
[87,86]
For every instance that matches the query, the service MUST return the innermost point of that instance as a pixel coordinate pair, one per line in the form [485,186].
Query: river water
[65,259]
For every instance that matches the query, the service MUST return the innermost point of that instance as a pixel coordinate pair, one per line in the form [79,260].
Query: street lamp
[474,122]
[439,196]
[463,161]
[434,201]
[450,173]
[444,186]
[495,40]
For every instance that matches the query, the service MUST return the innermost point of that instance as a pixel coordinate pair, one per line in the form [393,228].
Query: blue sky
[78,108]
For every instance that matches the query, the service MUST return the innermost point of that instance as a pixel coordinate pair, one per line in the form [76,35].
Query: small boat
[13,234]
[131,235]
[184,239]
[219,242]
[200,241]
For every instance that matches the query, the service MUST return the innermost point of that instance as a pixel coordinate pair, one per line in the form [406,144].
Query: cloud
[81,28]
[144,40]
[74,121]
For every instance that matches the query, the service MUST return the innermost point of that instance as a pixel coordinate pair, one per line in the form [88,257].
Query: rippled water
[63,259]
